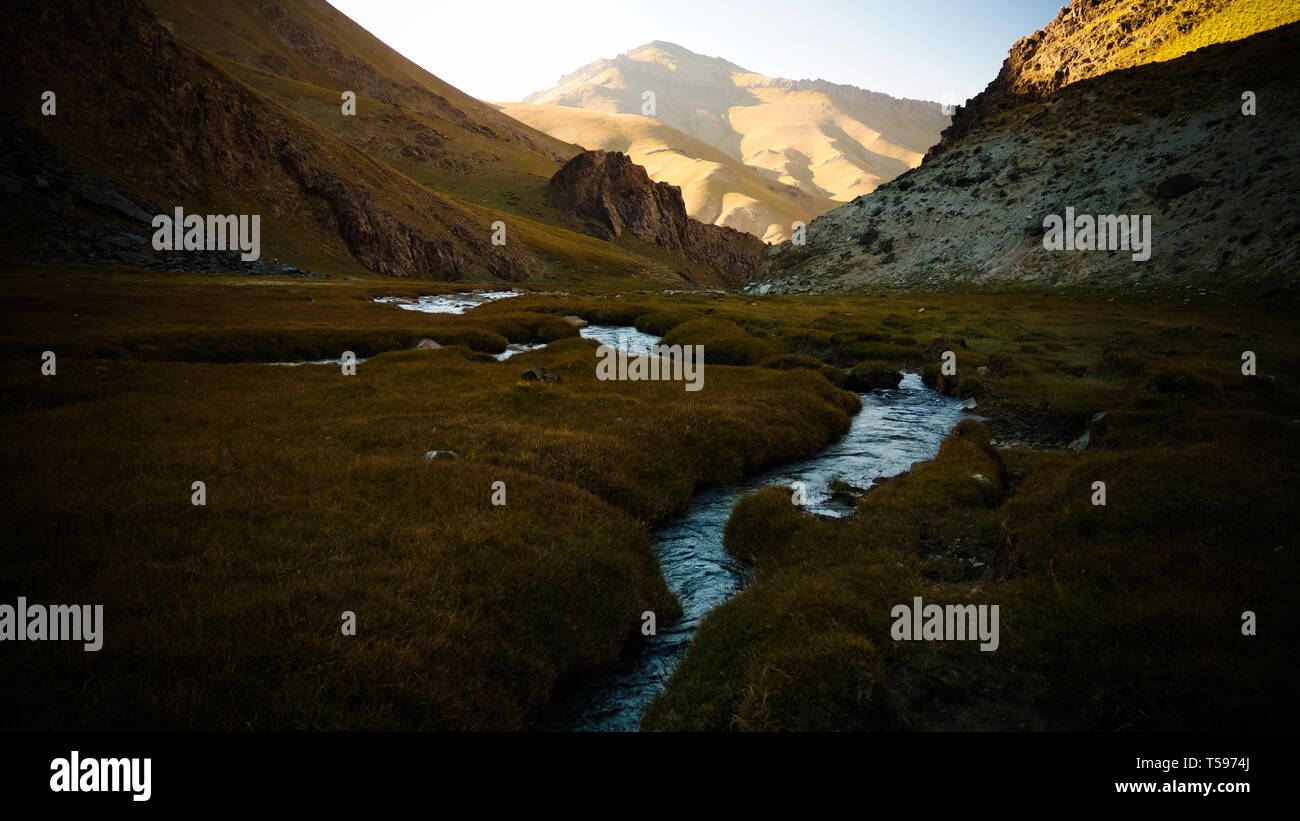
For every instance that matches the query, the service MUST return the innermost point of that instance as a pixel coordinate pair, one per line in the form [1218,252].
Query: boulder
[1097,427]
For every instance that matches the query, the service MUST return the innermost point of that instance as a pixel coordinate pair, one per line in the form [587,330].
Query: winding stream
[894,430]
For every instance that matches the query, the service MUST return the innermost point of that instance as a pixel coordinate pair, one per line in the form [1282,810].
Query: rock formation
[1089,38]
[609,191]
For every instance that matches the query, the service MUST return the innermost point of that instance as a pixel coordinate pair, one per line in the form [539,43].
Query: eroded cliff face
[1089,38]
[388,245]
[615,196]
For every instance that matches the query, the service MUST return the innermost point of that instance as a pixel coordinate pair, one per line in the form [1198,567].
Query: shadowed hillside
[1166,140]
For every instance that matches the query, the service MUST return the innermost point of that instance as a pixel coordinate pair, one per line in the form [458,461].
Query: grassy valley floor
[471,615]
[319,501]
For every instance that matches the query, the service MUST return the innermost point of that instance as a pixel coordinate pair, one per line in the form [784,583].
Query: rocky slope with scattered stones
[1166,139]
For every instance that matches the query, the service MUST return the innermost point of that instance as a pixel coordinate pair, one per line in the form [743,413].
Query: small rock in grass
[540,375]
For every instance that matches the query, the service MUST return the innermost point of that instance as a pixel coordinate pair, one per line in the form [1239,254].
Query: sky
[503,50]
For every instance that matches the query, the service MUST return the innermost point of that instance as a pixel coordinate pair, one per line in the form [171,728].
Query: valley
[751,405]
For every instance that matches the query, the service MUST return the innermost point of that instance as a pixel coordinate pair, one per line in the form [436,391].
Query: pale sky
[503,50]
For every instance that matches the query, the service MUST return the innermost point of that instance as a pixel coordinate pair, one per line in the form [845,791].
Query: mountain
[607,188]
[235,107]
[717,188]
[302,53]
[1089,38]
[834,142]
[1170,141]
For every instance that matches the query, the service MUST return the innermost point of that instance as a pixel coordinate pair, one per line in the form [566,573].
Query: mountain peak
[664,45]
[675,57]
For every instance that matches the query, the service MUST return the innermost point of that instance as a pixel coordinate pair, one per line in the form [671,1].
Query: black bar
[333,770]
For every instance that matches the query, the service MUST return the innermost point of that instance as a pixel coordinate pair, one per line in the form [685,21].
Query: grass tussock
[725,342]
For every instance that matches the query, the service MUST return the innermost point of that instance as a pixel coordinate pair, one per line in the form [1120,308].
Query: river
[894,430]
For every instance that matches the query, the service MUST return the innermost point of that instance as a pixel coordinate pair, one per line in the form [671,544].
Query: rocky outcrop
[55,212]
[1167,141]
[615,197]
[1089,38]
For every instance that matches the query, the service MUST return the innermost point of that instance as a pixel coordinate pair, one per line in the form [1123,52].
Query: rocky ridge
[1089,38]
